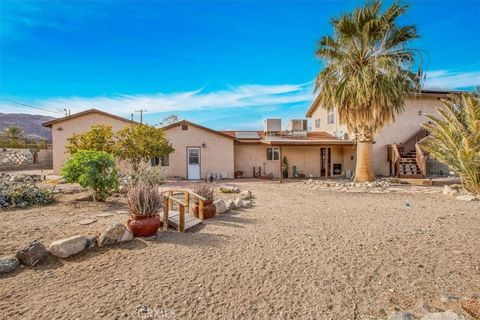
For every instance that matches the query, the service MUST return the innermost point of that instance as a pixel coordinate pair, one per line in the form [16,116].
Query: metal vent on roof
[246,135]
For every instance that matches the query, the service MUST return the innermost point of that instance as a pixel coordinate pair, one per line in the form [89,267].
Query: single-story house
[64,128]
[201,152]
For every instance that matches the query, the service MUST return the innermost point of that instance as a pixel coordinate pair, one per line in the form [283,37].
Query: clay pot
[208,212]
[142,226]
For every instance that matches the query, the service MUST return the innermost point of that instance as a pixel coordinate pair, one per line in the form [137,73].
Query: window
[165,161]
[184,127]
[273,153]
[330,117]
[162,161]
[317,123]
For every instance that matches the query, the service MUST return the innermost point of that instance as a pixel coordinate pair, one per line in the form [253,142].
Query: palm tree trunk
[364,166]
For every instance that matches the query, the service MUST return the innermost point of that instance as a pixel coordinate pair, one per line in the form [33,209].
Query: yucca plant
[205,190]
[455,137]
[144,200]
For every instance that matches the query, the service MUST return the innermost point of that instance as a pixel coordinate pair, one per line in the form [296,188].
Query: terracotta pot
[208,212]
[143,226]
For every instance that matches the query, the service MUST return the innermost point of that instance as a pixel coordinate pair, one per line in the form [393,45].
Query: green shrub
[95,170]
[22,195]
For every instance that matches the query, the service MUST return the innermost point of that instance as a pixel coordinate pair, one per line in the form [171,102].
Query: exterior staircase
[407,160]
[408,166]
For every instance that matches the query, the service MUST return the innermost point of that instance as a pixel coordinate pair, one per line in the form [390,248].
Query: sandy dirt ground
[297,253]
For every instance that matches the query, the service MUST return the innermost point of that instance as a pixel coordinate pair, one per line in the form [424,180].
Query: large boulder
[246,195]
[64,248]
[33,253]
[230,204]
[220,206]
[8,264]
[239,203]
[114,234]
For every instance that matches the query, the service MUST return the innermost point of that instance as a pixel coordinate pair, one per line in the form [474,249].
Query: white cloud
[233,97]
[446,79]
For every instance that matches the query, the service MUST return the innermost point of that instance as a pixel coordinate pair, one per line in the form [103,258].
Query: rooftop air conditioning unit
[272,125]
[298,125]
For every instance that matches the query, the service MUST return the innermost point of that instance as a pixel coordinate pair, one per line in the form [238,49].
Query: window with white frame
[317,123]
[160,161]
[273,153]
[331,117]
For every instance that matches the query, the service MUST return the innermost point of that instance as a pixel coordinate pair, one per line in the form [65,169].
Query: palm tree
[454,138]
[367,73]
[13,132]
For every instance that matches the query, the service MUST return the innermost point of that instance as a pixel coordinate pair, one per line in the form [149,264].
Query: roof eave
[309,143]
[50,123]
[170,126]
[423,93]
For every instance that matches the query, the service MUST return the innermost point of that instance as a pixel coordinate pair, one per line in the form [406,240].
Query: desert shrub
[95,170]
[146,174]
[454,138]
[205,190]
[226,190]
[144,200]
[22,195]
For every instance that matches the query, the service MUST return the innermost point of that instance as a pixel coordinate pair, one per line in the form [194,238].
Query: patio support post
[280,164]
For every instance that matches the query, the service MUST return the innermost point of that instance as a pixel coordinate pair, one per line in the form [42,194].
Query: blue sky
[221,64]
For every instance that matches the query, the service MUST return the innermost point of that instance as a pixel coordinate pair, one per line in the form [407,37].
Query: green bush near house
[95,170]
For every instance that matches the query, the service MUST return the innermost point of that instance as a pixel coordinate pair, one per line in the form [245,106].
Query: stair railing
[421,158]
[409,144]
[395,159]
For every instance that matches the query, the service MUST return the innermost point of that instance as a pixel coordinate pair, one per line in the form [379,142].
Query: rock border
[35,252]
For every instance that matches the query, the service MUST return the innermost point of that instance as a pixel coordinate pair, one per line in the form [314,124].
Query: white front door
[193,163]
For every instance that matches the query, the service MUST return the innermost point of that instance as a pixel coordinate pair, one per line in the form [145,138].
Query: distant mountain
[31,124]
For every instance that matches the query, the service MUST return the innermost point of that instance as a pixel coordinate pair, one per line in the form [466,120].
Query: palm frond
[455,137]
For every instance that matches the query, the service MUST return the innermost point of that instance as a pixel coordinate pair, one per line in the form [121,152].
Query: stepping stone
[87,221]
[104,215]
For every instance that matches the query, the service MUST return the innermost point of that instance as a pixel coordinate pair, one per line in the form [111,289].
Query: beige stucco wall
[216,157]
[248,156]
[65,129]
[406,125]
[305,158]
[334,128]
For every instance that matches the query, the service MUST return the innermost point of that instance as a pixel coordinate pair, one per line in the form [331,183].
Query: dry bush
[144,200]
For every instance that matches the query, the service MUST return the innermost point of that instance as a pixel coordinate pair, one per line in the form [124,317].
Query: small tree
[455,138]
[95,170]
[171,119]
[99,138]
[139,143]
[13,132]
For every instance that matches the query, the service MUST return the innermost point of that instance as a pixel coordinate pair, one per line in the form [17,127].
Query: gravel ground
[298,253]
